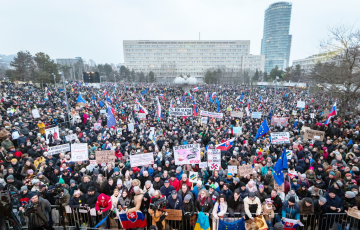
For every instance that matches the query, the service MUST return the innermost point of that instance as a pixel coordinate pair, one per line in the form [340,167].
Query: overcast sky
[95,29]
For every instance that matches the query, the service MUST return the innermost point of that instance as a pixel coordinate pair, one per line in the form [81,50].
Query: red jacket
[107,205]
[175,183]
[188,183]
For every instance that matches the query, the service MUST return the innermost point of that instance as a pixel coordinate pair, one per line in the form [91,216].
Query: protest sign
[105,156]
[93,162]
[211,114]
[247,111]
[241,171]
[97,126]
[312,115]
[214,159]
[136,107]
[300,104]
[102,111]
[35,113]
[173,214]
[278,188]
[79,152]
[248,169]
[237,130]
[280,138]
[314,135]
[256,115]
[326,112]
[203,165]
[232,169]
[354,212]
[52,134]
[294,112]
[279,121]
[142,116]
[237,114]
[180,112]
[70,137]
[193,176]
[187,154]
[204,120]
[131,127]
[141,159]
[58,149]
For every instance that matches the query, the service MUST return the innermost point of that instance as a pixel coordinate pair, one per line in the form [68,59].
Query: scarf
[202,201]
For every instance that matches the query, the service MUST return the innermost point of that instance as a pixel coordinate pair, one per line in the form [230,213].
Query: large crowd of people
[322,175]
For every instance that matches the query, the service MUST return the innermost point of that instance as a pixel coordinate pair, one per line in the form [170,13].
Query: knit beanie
[61,181]
[23,188]
[187,197]
[350,194]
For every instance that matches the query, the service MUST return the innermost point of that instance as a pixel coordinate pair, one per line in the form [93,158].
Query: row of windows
[189,54]
[184,46]
[187,50]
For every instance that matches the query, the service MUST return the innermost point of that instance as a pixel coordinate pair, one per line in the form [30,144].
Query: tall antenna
[199,36]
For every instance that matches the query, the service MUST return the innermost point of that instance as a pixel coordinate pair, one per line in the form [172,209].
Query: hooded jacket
[305,209]
[252,206]
[294,210]
[106,204]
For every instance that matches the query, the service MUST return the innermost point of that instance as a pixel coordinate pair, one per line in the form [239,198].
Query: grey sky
[95,29]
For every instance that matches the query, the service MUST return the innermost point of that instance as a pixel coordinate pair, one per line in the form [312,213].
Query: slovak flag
[267,99]
[331,114]
[142,108]
[213,95]
[195,109]
[132,220]
[158,109]
[196,89]
[191,97]
[104,93]
[206,96]
[249,104]
[161,95]
[226,145]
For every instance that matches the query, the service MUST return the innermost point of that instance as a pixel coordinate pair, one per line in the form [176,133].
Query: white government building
[169,59]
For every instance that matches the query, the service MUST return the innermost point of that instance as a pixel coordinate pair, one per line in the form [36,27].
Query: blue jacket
[334,202]
[195,191]
[149,169]
[166,191]
[172,204]
[228,193]
[179,176]
[294,211]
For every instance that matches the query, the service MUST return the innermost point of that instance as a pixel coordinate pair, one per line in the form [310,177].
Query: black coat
[235,206]
[206,208]
[84,186]
[91,200]
[188,208]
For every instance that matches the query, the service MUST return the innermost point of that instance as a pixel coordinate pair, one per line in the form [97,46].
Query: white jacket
[248,202]
[223,209]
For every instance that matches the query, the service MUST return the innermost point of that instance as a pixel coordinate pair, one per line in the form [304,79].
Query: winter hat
[323,199]
[311,168]
[292,199]
[96,171]
[332,190]
[173,192]
[229,174]
[261,186]
[348,174]
[116,169]
[332,173]
[57,167]
[148,182]
[10,177]
[308,200]
[61,181]
[172,175]
[212,186]
[187,197]
[30,171]
[32,194]
[178,169]
[72,181]
[34,181]
[23,188]
[167,162]
[236,179]
[350,194]
[269,200]
[14,160]
[339,183]
[279,226]
[303,176]
[166,181]
[156,175]
[251,194]
[119,182]
[242,184]
[40,173]
[303,184]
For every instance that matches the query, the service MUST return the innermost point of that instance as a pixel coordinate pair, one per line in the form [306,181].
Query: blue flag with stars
[236,225]
[280,164]
[263,129]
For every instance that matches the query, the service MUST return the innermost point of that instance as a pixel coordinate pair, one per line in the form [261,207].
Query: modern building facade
[276,41]
[308,63]
[171,58]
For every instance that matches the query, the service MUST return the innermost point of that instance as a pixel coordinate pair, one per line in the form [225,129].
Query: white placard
[35,113]
[193,176]
[256,115]
[70,137]
[203,165]
[58,149]
[317,137]
[211,114]
[294,112]
[312,115]
[131,127]
[141,159]
[204,120]
[180,112]
[54,132]
[214,159]
[102,111]
[300,104]
[232,169]
[280,138]
[79,152]
[237,130]
[187,154]
[93,162]
[142,116]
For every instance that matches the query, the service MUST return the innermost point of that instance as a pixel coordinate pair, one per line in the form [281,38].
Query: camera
[57,190]
[30,207]
[159,204]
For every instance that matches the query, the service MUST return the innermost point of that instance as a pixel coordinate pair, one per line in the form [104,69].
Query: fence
[76,218]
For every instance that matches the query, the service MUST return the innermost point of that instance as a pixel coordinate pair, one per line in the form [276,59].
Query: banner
[237,130]
[79,152]
[71,137]
[141,159]
[301,104]
[180,112]
[52,134]
[291,224]
[193,177]
[214,159]
[237,114]
[105,156]
[280,138]
[211,114]
[58,149]
[279,121]
[35,113]
[314,135]
[187,154]
[97,126]
[256,115]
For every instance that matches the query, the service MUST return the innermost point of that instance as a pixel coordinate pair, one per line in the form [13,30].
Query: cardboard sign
[71,137]
[180,112]
[314,135]
[301,104]
[105,156]
[204,120]
[214,159]
[354,213]
[58,149]
[93,162]
[232,169]
[279,121]
[173,214]
[256,115]
[141,159]
[280,138]
[248,169]
[241,171]
[193,177]
[258,223]
[237,114]
[35,113]
[79,152]
[203,165]
[211,114]
[187,154]
[237,130]
[279,188]
[97,126]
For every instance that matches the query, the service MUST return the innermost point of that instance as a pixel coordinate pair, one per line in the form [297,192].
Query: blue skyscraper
[276,41]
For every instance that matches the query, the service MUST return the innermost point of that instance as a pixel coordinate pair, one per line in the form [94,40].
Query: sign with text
[203,165]
[211,114]
[314,134]
[214,159]
[354,213]
[301,104]
[237,114]
[256,115]
[187,154]
[237,130]
[173,214]
[245,170]
[294,113]
[35,113]
[105,156]
[279,121]
[79,152]
[59,149]
[280,138]
[232,169]
[180,112]
[52,134]
[141,159]
[97,126]
[193,177]
[204,120]
[70,137]
[142,116]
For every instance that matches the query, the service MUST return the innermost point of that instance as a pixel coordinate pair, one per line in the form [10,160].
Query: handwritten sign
[204,120]
[237,130]
[70,137]
[278,188]
[203,165]
[256,115]
[142,116]
[294,112]
[173,214]
[279,121]
[214,159]
[354,213]
[106,156]
[237,114]
[58,149]
[248,169]
[314,135]
[35,113]
[79,152]
[141,159]
[280,138]
[301,104]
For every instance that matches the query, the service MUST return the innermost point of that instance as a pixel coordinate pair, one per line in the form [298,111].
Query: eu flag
[101,103]
[236,225]
[93,97]
[263,129]
[280,164]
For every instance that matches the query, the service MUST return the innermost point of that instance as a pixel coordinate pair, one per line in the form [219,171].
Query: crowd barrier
[76,218]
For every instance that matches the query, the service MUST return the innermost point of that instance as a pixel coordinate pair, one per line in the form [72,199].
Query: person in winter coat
[185,191]
[148,188]
[236,205]
[319,210]
[213,194]
[115,198]
[91,197]
[261,194]
[85,184]
[188,209]
[104,201]
[204,203]
[158,183]
[290,208]
[349,201]
[174,201]
[268,212]
[199,186]
[306,206]
[100,183]
[226,191]
[174,181]
[303,192]
[219,210]
[185,180]
[244,192]
[252,205]
[178,173]
[77,200]
[124,201]
[166,189]
[292,193]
